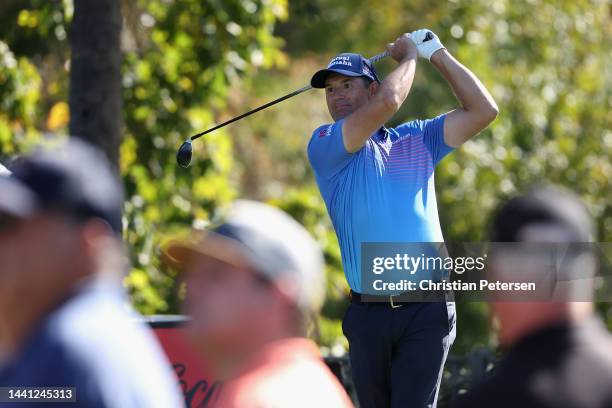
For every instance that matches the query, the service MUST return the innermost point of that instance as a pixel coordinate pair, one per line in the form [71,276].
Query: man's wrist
[437,58]
[407,58]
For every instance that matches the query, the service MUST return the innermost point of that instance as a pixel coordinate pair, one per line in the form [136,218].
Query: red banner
[199,388]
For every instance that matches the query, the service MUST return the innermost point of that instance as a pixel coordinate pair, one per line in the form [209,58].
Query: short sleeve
[326,151]
[433,138]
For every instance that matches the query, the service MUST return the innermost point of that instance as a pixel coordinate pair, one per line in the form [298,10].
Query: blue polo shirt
[385,191]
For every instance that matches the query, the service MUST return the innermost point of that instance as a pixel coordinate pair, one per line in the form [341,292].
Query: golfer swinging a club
[378,186]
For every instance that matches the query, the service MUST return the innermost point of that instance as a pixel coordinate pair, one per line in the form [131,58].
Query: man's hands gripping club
[476,111]
[404,47]
[427,42]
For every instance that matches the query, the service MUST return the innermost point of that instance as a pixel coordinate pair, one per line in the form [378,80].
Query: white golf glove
[426,48]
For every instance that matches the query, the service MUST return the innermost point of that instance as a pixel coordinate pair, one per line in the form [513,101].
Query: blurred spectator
[64,320]
[558,353]
[250,285]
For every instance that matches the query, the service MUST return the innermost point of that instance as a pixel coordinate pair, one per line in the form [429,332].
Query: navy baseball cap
[349,64]
[74,179]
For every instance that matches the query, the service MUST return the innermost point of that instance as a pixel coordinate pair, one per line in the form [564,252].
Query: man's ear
[372,88]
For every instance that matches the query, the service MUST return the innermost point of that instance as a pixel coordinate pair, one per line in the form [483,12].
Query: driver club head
[184,153]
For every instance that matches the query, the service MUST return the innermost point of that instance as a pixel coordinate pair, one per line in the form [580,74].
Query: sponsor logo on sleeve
[326,131]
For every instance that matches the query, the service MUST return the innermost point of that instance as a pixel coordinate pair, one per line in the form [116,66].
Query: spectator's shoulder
[44,359]
[115,350]
[259,388]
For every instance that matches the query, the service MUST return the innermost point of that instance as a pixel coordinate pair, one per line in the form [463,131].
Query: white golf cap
[266,239]
[4,171]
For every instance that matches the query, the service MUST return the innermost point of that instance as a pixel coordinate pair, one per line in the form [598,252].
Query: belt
[399,300]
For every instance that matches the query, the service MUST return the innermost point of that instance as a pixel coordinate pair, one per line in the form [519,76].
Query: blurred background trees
[189,64]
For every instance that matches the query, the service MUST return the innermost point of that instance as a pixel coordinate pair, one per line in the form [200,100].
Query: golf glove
[426,48]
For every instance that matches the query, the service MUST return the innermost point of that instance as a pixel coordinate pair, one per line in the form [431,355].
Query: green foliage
[185,57]
[19,97]
[179,72]
[179,61]
[189,64]
[37,28]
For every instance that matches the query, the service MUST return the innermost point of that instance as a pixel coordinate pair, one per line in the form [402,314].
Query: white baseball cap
[266,239]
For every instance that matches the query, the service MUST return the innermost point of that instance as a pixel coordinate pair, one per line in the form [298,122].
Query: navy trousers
[397,355]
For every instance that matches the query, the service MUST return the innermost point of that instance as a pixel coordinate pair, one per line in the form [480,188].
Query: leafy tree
[179,59]
[176,78]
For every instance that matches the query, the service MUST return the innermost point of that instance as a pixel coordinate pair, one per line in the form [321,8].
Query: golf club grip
[378,57]
[385,54]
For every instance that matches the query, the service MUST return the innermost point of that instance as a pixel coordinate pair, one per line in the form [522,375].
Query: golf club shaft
[274,102]
[374,59]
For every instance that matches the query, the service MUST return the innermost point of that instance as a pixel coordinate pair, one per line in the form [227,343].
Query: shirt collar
[382,133]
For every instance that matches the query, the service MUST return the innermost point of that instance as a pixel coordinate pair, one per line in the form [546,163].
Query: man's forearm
[471,93]
[396,86]
[387,98]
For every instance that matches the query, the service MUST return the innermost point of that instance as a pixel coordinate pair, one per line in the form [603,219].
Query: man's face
[35,256]
[225,302]
[38,245]
[346,94]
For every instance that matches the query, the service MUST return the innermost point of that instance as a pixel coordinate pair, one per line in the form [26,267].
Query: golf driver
[185,152]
